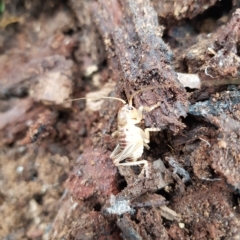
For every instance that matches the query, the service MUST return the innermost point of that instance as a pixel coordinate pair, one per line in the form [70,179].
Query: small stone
[181,225]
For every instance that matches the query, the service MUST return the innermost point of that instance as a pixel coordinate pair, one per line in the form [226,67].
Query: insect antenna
[114,98]
[141,90]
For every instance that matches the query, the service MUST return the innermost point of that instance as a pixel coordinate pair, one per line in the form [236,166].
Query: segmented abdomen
[122,138]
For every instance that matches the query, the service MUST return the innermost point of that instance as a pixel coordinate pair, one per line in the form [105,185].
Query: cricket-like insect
[131,138]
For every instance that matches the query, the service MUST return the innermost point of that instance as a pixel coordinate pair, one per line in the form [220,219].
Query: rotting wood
[140,58]
[179,9]
[216,59]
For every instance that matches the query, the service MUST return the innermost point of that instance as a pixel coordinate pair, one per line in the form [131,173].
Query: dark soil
[57,180]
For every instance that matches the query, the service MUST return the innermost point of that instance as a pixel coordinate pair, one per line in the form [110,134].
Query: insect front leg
[146,109]
[139,113]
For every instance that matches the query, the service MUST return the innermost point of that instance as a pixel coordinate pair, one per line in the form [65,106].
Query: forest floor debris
[57,180]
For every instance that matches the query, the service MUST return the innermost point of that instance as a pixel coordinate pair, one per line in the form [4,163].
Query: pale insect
[131,139]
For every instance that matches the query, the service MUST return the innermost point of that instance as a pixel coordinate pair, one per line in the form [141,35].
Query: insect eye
[130,108]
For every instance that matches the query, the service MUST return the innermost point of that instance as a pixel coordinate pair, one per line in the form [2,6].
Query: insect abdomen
[122,139]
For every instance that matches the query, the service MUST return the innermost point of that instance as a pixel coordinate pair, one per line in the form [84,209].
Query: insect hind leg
[144,169]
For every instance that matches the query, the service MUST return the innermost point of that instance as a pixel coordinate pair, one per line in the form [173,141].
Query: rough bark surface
[132,37]
[57,180]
